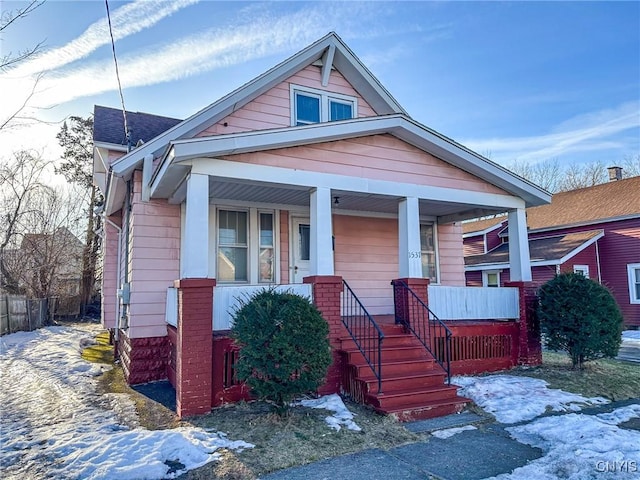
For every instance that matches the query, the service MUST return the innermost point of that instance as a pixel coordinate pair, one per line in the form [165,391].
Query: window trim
[436,257]
[325,98]
[485,278]
[253,243]
[247,246]
[584,269]
[631,267]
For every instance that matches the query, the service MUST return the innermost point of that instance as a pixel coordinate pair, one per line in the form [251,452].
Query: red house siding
[586,257]
[493,240]
[473,245]
[619,247]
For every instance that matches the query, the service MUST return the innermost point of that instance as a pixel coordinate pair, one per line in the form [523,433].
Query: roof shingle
[108,125]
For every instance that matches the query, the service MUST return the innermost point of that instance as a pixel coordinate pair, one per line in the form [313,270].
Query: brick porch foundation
[326,297]
[143,359]
[529,342]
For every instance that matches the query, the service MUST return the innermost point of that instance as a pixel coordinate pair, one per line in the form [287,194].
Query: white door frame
[294,241]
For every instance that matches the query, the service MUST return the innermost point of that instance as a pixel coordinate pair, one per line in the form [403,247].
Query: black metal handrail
[417,317]
[364,331]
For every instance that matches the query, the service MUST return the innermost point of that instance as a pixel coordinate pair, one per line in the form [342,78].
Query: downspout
[125,283]
[598,262]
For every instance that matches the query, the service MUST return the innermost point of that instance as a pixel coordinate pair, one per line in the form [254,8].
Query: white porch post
[519,259]
[410,264]
[321,243]
[196,230]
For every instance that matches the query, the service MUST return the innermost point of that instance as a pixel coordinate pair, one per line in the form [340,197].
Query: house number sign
[415,254]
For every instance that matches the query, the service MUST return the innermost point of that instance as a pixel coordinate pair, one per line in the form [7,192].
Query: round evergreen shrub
[581,317]
[285,349]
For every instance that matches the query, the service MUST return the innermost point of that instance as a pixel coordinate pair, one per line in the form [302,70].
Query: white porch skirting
[226,299]
[474,303]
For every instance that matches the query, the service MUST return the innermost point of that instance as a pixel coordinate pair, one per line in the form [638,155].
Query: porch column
[321,243]
[410,265]
[519,260]
[196,232]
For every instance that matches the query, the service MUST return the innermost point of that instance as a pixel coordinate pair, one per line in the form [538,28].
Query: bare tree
[7,19]
[76,139]
[39,254]
[631,166]
[547,174]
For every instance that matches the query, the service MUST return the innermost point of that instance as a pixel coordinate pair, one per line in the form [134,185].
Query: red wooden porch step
[413,384]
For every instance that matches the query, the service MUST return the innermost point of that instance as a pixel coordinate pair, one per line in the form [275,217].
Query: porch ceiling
[222,189]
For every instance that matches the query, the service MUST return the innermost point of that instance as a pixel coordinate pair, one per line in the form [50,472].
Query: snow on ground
[578,446]
[55,425]
[450,432]
[631,336]
[513,399]
[341,416]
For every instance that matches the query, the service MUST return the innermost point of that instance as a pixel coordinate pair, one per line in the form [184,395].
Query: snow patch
[450,432]
[579,446]
[513,399]
[55,425]
[341,417]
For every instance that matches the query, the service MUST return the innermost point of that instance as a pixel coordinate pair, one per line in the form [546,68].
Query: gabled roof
[612,200]
[480,227]
[553,250]
[108,126]
[329,48]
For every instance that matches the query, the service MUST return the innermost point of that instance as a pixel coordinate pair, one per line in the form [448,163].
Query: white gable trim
[400,126]
[344,60]
[485,231]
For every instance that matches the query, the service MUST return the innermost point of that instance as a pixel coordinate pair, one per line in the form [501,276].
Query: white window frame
[325,98]
[583,269]
[485,277]
[253,243]
[435,249]
[631,268]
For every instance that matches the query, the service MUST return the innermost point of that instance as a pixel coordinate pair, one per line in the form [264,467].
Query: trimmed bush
[581,317]
[284,343]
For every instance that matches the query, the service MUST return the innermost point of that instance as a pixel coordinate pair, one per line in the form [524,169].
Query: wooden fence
[19,314]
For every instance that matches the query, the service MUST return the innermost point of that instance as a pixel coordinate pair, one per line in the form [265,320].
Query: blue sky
[512,80]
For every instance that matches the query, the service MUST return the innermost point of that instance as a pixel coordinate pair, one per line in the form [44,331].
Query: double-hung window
[233,246]
[246,242]
[491,278]
[633,272]
[309,105]
[428,252]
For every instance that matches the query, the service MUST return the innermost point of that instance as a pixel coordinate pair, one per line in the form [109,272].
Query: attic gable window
[309,105]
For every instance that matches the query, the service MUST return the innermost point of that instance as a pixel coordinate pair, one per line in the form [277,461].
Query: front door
[300,249]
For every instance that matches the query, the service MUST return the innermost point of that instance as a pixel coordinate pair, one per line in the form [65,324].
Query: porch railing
[227,298]
[364,331]
[474,303]
[415,315]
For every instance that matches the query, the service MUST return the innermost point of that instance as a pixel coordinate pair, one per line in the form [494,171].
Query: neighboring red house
[594,231]
[309,177]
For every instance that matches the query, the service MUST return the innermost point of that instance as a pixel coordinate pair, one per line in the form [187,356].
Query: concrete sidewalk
[474,454]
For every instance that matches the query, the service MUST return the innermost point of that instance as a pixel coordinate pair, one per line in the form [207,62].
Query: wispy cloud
[264,34]
[593,131]
[127,20]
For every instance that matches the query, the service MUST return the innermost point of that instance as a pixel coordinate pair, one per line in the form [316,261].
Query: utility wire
[115,61]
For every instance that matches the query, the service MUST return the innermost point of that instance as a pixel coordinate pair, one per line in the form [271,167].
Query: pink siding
[272,109]
[154,261]
[366,256]
[619,247]
[284,246]
[113,156]
[110,279]
[473,245]
[451,259]
[378,157]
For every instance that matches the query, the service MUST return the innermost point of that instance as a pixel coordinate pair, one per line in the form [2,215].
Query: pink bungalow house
[310,177]
[594,231]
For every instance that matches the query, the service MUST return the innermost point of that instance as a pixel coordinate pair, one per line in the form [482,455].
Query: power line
[115,61]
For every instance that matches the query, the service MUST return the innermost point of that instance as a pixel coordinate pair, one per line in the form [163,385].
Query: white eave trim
[398,125]
[586,223]
[485,231]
